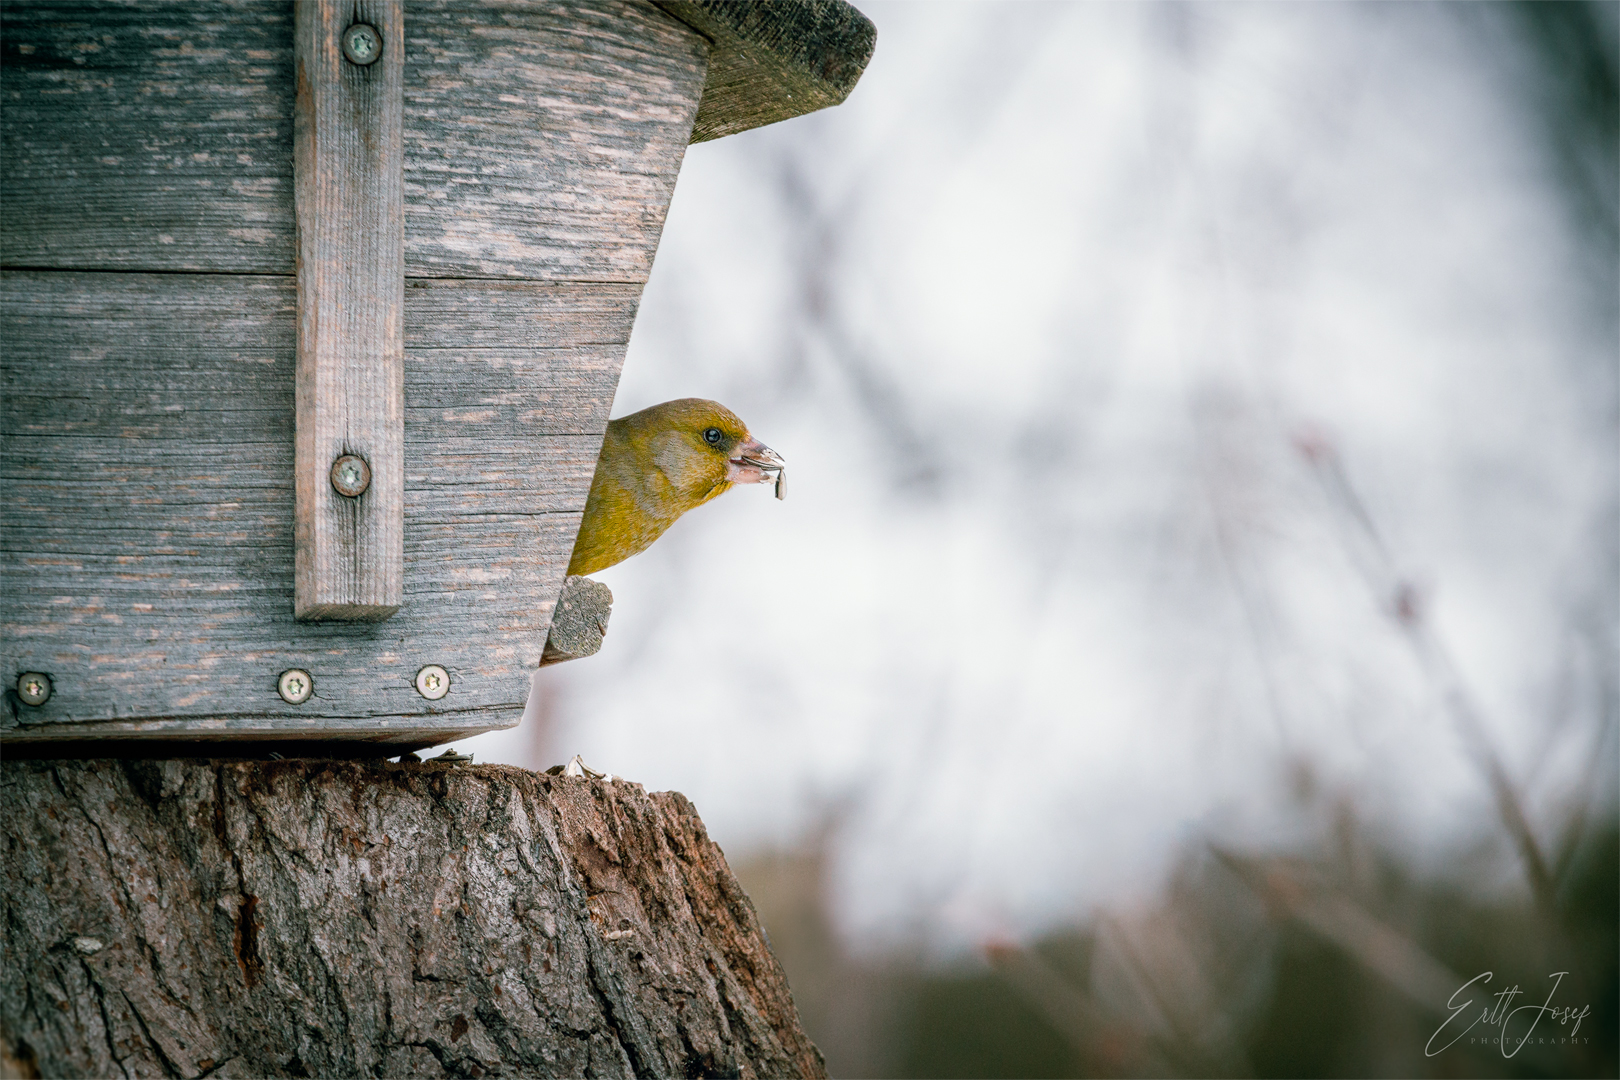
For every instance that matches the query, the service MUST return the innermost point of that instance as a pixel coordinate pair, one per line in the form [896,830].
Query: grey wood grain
[558,129]
[579,621]
[348,177]
[147,554]
[771,62]
[460,313]
[542,140]
[147,135]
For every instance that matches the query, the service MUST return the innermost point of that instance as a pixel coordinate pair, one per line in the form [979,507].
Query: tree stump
[348,918]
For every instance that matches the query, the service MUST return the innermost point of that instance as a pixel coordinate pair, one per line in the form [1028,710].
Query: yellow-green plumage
[655,466]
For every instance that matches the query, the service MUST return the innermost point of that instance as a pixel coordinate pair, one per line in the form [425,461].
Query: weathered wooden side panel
[147,554]
[542,140]
[147,432]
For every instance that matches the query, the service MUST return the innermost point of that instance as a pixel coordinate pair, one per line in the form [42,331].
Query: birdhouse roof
[772,62]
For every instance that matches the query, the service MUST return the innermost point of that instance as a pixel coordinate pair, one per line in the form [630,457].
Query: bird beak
[756,463]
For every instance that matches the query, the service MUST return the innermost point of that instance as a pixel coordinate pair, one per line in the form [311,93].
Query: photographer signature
[1502,1013]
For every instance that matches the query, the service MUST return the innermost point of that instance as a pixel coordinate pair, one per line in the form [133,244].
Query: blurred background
[1188,645]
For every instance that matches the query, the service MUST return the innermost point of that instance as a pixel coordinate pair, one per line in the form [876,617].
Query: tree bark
[345,918]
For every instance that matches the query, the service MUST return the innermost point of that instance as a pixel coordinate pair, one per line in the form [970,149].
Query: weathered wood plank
[348,177]
[579,621]
[557,130]
[543,325]
[772,62]
[459,314]
[147,558]
[542,141]
[140,135]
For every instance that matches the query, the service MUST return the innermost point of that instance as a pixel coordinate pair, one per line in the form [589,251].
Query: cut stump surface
[334,918]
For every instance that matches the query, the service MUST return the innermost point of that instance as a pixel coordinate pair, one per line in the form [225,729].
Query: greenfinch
[655,466]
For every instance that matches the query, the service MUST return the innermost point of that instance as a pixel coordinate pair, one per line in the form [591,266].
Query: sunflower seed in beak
[769,464]
[776,468]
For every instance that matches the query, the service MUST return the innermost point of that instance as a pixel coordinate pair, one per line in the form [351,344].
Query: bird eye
[712,436]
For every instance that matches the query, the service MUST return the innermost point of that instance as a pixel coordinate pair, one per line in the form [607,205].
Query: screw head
[33,688]
[362,44]
[433,682]
[351,476]
[295,686]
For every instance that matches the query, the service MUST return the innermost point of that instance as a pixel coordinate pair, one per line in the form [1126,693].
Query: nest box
[312,318]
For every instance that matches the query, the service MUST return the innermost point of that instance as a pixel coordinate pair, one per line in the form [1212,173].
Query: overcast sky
[1045,319]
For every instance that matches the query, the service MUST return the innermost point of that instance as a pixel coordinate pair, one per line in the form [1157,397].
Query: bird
[656,465]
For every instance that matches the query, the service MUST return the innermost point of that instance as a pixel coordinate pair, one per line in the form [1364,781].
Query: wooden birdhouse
[312,318]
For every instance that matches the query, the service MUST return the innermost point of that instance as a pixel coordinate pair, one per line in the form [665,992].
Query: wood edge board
[367,731]
[247,750]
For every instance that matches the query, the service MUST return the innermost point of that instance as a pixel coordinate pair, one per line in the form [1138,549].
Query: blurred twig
[1163,1015]
[1221,478]
[1116,1046]
[1403,603]
[1599,759]
[1163,967]
[1379,948]
[914,460]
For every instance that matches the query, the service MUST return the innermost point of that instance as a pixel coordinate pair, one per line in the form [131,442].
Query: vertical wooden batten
[349,202]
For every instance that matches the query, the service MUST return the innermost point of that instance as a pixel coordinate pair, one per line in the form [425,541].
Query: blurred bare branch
[1118,1047]
[1171,980]
[1404,606]
[901,447]
[1290,890]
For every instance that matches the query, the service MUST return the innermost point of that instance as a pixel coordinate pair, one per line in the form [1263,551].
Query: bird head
[702,448]
[656,465]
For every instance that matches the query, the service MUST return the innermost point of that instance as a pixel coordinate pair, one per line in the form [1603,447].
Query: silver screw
[433,682]
[34,688]
[351,476]
[295,686]
[362,44]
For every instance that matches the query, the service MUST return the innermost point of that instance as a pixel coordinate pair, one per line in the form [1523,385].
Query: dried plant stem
[1372,557]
